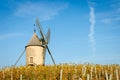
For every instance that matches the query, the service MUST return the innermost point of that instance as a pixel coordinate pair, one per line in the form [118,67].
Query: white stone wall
[38,54]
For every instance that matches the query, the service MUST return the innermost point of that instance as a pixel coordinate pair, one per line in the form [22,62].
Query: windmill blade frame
[48,36]
[40,29]
[43,37]
[50,54]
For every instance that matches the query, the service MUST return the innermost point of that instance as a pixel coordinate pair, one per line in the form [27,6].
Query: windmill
[36,48]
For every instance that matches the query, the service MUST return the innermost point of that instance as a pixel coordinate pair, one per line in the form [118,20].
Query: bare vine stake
[119,70]
[96,76]
[83,70]
[102,70]
[61,74]
[75,70]
[11,76]
[95,70]
[80,78]
[111,69]
[3,75]
[108,67]
[88,77]
[106,75]
[91,72]
[117,77]
[75,74]
[21,77]
[110,77]
[99,75]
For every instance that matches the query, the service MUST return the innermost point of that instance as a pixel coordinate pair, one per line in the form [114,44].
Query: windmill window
[31,59]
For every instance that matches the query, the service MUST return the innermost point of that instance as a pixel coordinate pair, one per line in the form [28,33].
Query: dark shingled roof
[35,41]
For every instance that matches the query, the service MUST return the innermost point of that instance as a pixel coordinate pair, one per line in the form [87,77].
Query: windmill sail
[48,36]
[50,54]
[45,40]
[39,28]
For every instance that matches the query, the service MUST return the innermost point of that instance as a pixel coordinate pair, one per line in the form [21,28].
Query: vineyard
[62,72]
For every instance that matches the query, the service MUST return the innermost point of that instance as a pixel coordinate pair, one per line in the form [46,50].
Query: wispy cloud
[10,35]
[112,13]
[44,11]
[92,32]
[110,20]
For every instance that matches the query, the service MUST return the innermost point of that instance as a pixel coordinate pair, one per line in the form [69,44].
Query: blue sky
[81,30]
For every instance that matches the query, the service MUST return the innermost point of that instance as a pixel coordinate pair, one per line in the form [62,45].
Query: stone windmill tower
[35,51]
[36,48]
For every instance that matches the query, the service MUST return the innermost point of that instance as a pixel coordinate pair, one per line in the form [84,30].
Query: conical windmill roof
[35,41]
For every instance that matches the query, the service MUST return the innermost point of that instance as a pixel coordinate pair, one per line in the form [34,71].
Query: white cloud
[110,20]
[44,11]
[112,14]
[92,26]
[106,21]
[9,35]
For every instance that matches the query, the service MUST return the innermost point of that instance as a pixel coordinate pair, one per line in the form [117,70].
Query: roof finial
[34,29]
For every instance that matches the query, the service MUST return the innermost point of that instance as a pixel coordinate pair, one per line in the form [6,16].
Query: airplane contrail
[92,32]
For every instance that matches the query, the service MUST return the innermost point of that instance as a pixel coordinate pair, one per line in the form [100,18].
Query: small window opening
[31,60]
